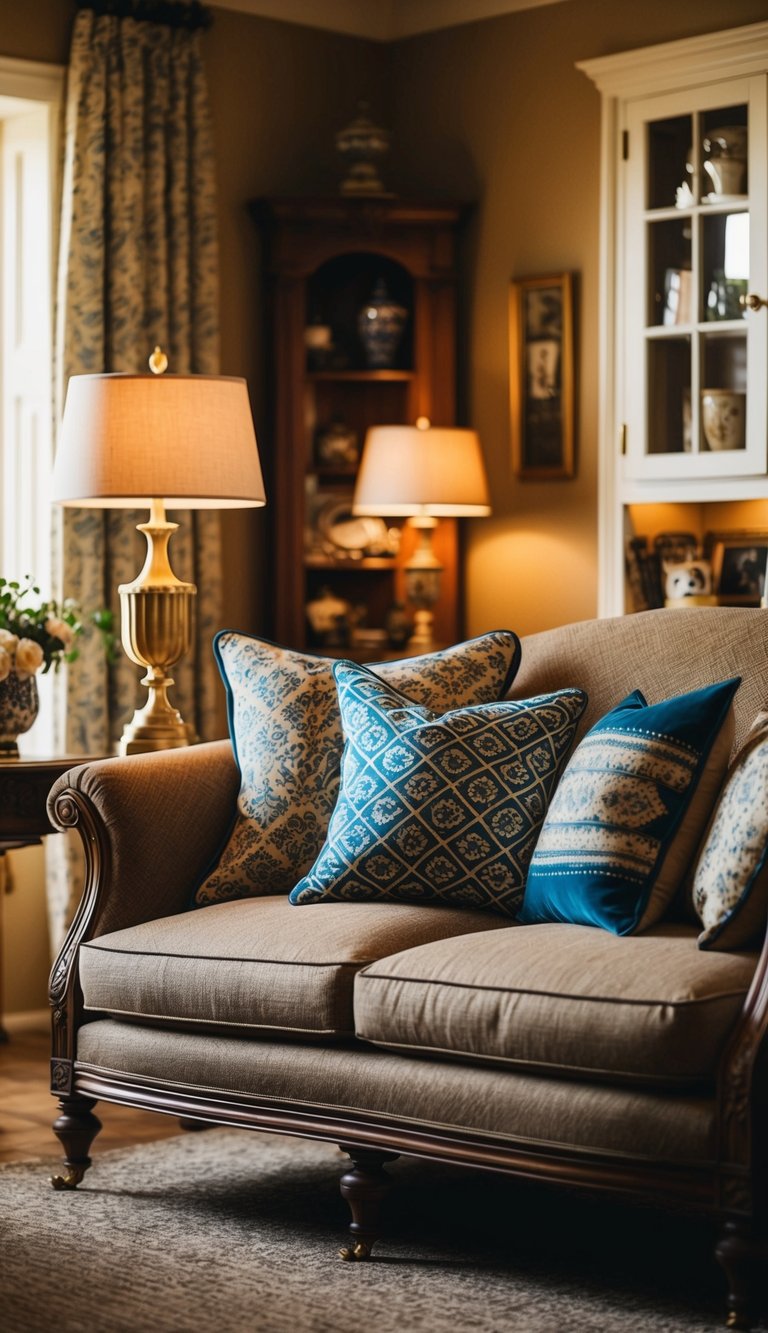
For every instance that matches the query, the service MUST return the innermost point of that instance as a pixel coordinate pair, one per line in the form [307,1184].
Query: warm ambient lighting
[424,473]
[185,441]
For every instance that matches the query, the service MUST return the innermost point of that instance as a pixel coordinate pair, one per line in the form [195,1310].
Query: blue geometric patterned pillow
[627,817]
[286,734]
[438,808]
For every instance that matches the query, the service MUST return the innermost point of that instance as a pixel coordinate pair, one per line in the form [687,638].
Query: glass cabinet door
[696,354]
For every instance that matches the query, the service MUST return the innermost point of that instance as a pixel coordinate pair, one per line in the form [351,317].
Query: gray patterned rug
[238,1233]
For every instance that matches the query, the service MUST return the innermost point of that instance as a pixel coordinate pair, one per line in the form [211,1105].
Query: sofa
[632,1065]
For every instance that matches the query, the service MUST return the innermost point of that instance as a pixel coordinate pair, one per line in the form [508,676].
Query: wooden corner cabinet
[684,294]
[336,267]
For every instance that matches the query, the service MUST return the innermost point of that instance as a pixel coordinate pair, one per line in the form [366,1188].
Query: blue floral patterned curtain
[138,266]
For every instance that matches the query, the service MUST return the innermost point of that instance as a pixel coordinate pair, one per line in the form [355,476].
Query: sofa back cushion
[661,652]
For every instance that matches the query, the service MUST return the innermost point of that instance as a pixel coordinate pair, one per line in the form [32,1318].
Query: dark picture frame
[739,564]
[541,377]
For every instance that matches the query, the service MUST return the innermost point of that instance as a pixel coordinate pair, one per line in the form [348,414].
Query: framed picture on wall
[541,377]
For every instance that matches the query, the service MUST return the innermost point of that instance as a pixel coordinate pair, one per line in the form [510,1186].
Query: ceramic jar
[723,417]
[380,325]
[19,703]
[361,147]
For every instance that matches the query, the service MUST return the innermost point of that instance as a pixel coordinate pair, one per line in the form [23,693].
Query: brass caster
[71,1178]
[356,1253]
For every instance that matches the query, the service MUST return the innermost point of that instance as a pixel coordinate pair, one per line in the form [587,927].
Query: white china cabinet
[684,285]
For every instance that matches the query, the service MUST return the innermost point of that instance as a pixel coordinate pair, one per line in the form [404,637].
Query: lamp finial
[158,361]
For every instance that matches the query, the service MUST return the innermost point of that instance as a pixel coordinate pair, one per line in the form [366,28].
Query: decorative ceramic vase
[19,703]
[380,325]
[726,160]
[723,418]
[361,145]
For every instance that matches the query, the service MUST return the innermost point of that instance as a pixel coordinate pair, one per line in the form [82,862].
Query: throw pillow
[439,808]
[286,733]
[730,882]
[627,817]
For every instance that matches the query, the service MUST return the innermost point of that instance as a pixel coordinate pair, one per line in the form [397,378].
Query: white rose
[5,664]
[8,641]
[29,658]
[60,630]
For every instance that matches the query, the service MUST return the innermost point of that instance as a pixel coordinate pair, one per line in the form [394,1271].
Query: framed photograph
[541,377]
[739,562]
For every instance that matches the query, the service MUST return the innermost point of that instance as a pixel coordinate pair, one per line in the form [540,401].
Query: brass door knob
[752,301]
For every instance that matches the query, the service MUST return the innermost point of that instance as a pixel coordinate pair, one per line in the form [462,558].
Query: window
[29,102]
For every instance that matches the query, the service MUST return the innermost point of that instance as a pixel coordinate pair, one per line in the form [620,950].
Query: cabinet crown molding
[680,64]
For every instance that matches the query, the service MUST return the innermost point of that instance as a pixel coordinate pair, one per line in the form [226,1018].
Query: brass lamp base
[423,574]
[156,632]
[158,725]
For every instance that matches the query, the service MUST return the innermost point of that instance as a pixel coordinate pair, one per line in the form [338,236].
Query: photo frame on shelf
[541,377]
[739,563]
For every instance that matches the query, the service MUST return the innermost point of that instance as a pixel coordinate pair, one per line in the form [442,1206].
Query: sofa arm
[150,824]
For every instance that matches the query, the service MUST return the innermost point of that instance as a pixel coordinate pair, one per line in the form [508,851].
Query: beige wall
[495,112]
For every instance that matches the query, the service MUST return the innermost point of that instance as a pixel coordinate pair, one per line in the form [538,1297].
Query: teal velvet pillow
[438,808]
[286,734]
[627,817]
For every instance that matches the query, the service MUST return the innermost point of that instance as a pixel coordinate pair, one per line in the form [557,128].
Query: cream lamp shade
[434,471]
[186,441]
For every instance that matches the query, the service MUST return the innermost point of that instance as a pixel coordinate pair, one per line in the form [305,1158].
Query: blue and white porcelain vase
[380,325]
[19,703]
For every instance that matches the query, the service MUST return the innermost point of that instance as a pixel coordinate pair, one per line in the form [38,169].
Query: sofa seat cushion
[257,964]
[570,1000]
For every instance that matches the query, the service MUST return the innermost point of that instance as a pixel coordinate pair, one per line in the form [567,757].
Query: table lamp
[423,473]
[185,441]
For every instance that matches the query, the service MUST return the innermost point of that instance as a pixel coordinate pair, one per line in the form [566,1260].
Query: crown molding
[680,64]
[380,20]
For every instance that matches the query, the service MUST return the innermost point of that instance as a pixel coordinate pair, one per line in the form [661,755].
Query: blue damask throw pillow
[438,808]
[286,734]
[630,810]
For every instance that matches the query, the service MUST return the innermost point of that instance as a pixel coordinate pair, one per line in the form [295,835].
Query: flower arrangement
[36,635]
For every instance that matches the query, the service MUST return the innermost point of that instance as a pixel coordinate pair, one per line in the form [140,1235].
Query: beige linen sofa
[630,1065]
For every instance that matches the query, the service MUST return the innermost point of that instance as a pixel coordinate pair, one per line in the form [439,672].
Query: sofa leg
[76,1128]
[742,1257]
[364,1187]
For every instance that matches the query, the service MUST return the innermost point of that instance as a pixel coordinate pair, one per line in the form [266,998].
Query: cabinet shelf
[368,562]
[360,376]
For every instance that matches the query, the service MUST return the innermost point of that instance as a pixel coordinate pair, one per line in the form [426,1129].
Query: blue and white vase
[380,325]
[19,703]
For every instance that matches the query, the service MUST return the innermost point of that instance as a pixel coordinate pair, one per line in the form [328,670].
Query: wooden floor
[27,1108]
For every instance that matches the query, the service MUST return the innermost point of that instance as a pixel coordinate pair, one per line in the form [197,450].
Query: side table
[24,788]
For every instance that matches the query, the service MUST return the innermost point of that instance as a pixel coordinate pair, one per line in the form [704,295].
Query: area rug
[238,1233]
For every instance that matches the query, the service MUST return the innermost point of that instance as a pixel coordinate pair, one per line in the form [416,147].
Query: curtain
[138,266]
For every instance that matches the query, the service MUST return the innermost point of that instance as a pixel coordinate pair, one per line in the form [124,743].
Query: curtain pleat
[138,266]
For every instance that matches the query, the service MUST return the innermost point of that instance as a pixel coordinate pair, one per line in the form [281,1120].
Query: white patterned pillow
[440,808]
[730,882]
[286,733]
